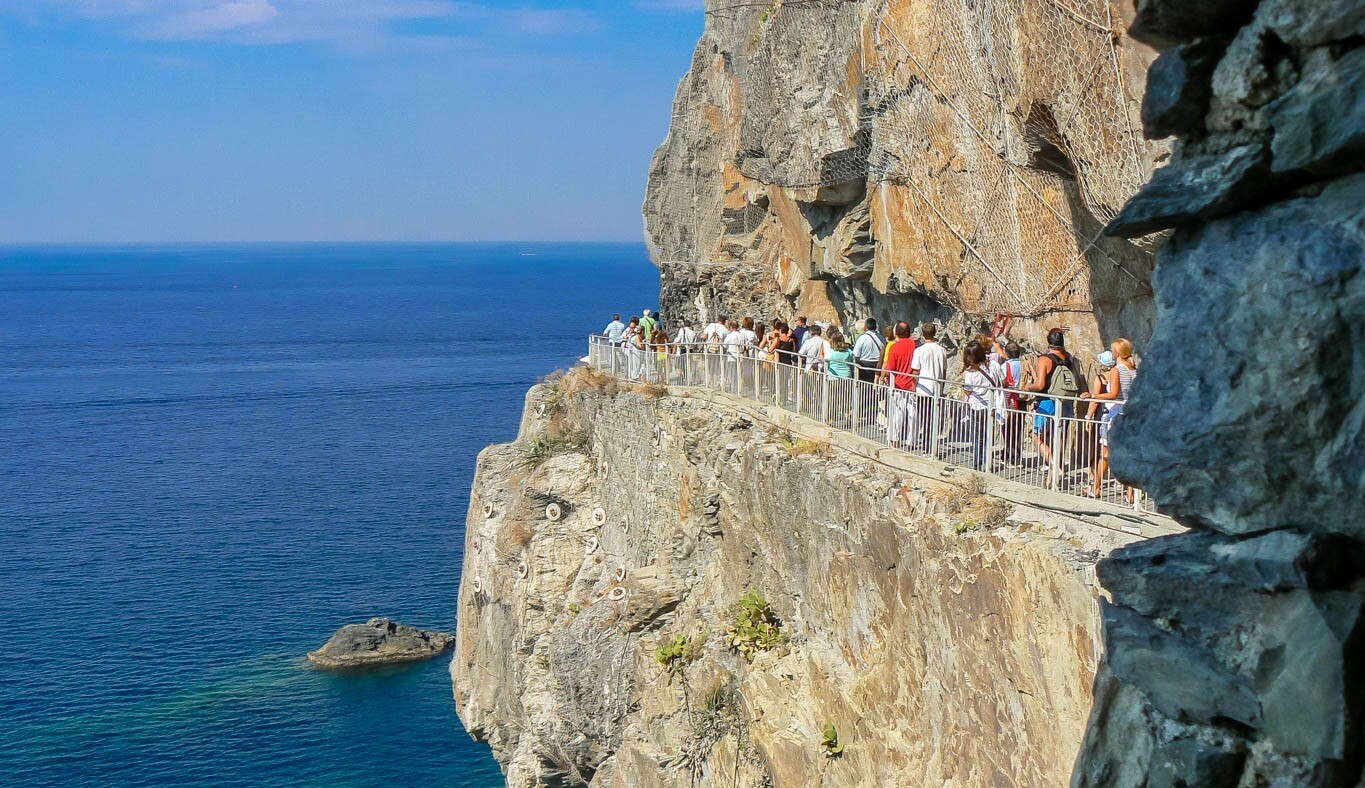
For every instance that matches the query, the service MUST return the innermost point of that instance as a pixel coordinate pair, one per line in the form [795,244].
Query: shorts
[1046,408]
[1107,423]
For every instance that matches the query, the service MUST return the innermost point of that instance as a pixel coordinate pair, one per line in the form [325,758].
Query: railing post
[1054,464]
[800,386]
[857,403]
[989,437]
[824,400]
[935,404]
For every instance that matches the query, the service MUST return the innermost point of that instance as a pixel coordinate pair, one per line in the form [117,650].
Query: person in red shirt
[901,402]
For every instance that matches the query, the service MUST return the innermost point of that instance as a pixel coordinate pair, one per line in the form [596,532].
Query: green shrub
[830,741]
[756,627]
[674,654]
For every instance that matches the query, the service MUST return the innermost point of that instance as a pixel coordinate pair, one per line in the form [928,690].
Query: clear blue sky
[336,120]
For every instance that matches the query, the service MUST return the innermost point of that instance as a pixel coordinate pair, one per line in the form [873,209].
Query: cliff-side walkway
[945,429]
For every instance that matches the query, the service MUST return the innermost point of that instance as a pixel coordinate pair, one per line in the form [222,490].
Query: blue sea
[213,456]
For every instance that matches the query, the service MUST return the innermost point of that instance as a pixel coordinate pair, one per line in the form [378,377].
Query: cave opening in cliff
[1046,146]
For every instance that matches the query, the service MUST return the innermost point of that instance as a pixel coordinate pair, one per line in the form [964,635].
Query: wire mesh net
[1010,124]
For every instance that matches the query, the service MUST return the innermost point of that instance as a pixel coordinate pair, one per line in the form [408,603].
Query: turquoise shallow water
[213,456]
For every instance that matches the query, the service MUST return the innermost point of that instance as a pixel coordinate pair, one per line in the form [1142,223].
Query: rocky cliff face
[1236,653]
[956,160]
[908,158]
[946,639]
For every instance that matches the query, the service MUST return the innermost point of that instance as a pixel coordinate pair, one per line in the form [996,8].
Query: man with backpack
[1058,380]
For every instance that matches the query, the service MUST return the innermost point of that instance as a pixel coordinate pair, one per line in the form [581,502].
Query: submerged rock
[379,641]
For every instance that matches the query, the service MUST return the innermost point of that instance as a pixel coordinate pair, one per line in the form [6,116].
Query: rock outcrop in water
[952,160]
[1236,652]
[379,642]
[608,554]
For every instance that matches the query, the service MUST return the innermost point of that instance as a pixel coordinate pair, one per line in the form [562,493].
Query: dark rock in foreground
[377,642]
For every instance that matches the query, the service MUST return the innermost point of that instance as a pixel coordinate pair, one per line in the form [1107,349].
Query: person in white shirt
[750,336]
[737,344]
[980,388]
[714,334]
[929,366]
[867,351]
[685,337]
[814,350]
[736,341]
[614,330]
[812,356]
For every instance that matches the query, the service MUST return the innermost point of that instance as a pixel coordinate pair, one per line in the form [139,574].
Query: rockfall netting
[1012,124]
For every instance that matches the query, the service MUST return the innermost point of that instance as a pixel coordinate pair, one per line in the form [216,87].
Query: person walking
[1055,377]
[660,366]
[683,346]
[842,359]
[714,334]
[635,349]
[979,387]
[867,350]
[1013,429]
[901,381]
[815,349]
[736,344]
[929,365]
[686,337]
[1119,376]
[648,323]
[614,330]
[839,383]
[867,353]
[813,356]
[799,331]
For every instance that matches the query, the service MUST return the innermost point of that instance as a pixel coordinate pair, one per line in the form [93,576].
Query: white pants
[901,415]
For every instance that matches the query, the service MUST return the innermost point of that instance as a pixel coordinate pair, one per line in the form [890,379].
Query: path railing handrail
[754,352]
[981,427]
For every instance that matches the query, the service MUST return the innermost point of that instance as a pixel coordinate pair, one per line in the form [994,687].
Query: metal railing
[984,428]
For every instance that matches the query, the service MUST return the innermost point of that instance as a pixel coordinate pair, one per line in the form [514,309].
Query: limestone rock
[941,657]
[378,642]
[949,161]
[1307,23]
[1182,681]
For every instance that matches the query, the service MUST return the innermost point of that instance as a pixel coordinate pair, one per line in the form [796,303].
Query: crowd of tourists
[909,369]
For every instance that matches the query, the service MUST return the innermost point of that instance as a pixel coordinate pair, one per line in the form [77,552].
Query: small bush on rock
[674,654]
[756,627]
[830,740]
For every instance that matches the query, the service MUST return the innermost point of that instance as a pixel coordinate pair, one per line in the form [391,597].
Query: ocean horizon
[217,454]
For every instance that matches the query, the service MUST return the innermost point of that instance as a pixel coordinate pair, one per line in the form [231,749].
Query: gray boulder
[379,641]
